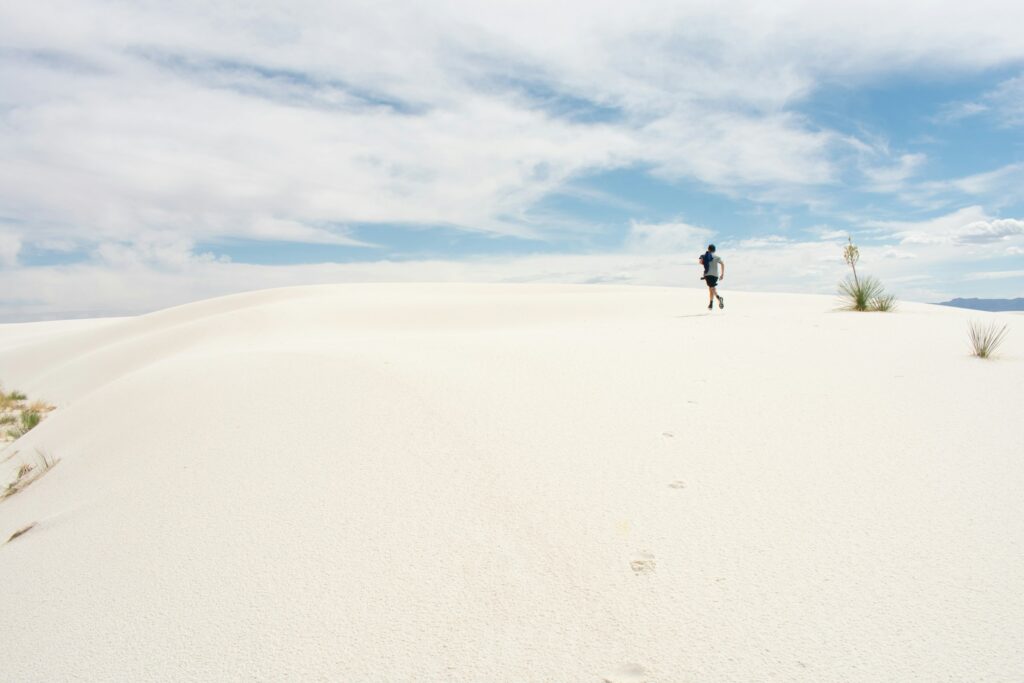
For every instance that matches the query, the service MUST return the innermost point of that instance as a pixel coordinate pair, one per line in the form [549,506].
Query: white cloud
[136,131]
[763,242]
[989,231]
[1008,101]
[891,177]
[895,253]
[1005,103]
[968,226]
[1003,186]
[667,238]
[824,232]
[10,245]
[931,231]
[164,251]
[273,121]
[995,275]
[958,111]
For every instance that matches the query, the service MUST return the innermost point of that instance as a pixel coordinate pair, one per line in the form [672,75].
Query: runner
[711,263]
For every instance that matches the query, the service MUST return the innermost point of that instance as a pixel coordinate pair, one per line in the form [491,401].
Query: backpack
[706,260]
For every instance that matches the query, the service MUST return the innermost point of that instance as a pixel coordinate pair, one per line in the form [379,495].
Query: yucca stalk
[851,254]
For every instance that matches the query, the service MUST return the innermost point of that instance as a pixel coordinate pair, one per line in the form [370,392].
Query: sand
[516,483]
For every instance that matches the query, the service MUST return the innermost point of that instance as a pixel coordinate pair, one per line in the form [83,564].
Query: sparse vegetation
[863,295]
[24,417]
[883,303]
[29,419]
[28,473]
[986,337]
[21,531]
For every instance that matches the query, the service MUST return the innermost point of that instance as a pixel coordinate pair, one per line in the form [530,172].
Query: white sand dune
[516,483]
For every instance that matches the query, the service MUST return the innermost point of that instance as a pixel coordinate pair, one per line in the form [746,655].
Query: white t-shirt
[713,266]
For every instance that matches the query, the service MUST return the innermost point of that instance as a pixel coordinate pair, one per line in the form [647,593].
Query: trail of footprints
[643,562]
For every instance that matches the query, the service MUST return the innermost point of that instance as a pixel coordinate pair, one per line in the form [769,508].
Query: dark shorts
[712,280]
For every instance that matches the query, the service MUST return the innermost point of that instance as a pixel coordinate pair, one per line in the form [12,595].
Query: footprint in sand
[642,563]
[627,673]
[677,484]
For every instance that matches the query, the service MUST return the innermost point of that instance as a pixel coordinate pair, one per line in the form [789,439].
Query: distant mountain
[987,304]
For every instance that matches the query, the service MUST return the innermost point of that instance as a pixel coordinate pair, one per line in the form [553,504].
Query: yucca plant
[858,295]
[862,295]
[985,337]
[883,303]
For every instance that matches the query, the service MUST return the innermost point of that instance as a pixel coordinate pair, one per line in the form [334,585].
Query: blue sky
[156,154]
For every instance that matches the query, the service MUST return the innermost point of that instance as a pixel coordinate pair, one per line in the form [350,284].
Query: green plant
[985,338]
[29,420]
[865,295]
[883,303]
[862,295]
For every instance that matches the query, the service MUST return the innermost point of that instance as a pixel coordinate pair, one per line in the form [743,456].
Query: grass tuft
[28,473]
[883,303]
[21,416]
[985,337]
[29,420]
[866,294]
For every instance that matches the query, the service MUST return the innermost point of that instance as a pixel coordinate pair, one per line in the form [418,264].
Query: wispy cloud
[667,238]
[968,226]
[952,112]
[133,132]
[1003,186]
[995,275]
[10,245]
[981,232]
[892,177]
[1004,103]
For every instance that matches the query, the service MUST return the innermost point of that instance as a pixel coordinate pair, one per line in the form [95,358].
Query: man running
[711,264]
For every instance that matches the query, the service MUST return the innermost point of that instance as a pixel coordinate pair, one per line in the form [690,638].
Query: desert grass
[883,303]
[28,420]
[21,416]
[28,473]
[985,337]
[866,294]
[21,531]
